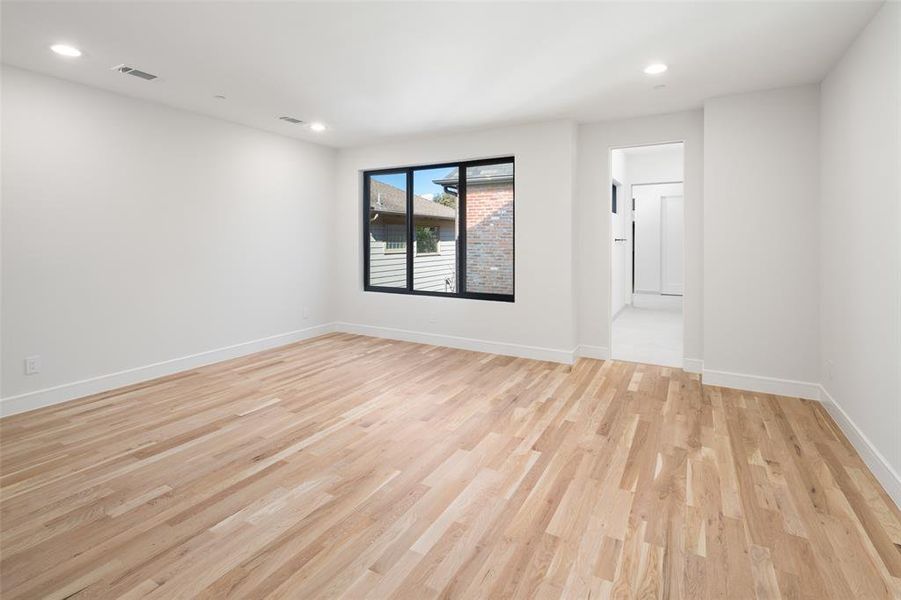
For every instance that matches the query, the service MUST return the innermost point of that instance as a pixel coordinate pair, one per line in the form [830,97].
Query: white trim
[102,383]
[462,343]
[692,365]
[596,352]
[874,459]
[764,385]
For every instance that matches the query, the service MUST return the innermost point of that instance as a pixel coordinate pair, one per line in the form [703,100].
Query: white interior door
[672,232]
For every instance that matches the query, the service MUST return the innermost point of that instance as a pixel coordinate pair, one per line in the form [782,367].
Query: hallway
[649,330]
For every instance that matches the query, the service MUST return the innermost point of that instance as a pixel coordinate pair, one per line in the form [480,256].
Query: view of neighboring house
[435,250]
[489,226]
[489,233]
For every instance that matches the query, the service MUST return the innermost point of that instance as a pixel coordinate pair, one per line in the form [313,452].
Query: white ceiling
[371,71]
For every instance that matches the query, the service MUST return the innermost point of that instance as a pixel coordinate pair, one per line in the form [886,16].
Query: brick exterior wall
[489,238]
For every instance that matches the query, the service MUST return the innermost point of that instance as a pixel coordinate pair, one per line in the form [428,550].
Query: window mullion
[410,230]
[461,223]
[366,243]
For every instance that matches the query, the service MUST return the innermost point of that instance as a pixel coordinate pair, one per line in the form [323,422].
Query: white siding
[429,270]
[385,269]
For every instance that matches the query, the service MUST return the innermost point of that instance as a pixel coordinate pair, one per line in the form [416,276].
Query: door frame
[609,200]
[616,193]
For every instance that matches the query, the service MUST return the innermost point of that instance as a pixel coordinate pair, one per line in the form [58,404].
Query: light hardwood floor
[365,468]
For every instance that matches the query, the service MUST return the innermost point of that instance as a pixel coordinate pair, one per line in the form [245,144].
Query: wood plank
[360,467]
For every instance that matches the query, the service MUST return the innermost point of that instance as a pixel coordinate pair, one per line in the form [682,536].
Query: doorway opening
[647,253]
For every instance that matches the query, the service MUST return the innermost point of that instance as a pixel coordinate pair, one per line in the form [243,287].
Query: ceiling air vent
[290,120]
[126,70]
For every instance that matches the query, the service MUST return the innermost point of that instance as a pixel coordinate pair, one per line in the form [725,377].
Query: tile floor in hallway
[649,331]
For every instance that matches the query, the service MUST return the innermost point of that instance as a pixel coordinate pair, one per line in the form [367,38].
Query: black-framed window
[441,230]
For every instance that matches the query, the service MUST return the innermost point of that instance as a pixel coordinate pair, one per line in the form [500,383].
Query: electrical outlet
[306,312]
[829,367]
[32,365]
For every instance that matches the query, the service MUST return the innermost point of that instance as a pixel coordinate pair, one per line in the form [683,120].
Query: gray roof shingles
[386,198]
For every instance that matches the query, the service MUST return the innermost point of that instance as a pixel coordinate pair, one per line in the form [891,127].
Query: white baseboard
[874,459]
[596,352]
[102,383]
[764,385]
[462,343]
[878,465]
[692,365]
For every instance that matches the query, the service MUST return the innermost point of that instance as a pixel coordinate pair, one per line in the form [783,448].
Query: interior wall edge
[102,383]
[874,459]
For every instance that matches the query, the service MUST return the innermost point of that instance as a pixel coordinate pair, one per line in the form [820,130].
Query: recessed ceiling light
[317,126]
[655,68]
[660,86]
[66,50]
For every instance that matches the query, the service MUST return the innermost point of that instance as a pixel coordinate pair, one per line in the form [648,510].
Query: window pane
[435,227]
[489,229]
[388,230]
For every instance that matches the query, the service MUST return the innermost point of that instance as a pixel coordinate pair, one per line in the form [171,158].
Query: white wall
[860,238]
[134,233]
[593,206]
[760,234]
[541,321]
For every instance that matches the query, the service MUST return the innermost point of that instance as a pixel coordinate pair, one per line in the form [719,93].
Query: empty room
[414,300]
